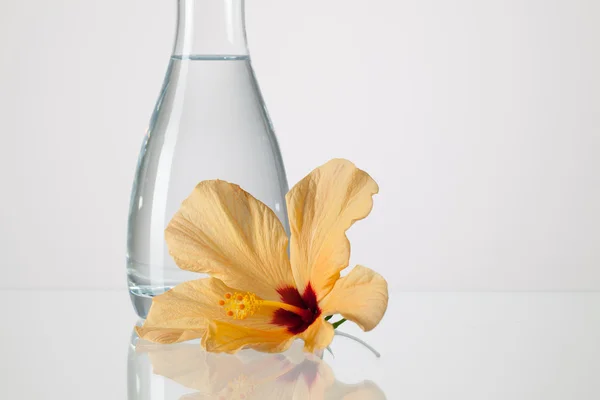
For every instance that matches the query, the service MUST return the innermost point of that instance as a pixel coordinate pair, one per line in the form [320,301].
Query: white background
[479,119]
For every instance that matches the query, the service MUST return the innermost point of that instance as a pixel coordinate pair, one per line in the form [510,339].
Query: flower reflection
[251,375]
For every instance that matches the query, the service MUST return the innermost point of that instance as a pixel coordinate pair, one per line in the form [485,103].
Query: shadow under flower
[248,374]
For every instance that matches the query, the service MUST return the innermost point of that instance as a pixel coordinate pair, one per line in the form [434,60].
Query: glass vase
[210,122]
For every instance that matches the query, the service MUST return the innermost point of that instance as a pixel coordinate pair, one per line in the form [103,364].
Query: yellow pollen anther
[240,305]
[244,305]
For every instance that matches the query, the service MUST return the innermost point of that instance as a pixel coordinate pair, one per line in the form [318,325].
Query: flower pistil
[241,305]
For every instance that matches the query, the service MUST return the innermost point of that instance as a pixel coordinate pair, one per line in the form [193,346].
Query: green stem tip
[336,324]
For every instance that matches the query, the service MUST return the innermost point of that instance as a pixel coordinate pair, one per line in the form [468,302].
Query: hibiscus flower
[257,296]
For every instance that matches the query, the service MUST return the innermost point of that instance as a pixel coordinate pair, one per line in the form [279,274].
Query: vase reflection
[186,372]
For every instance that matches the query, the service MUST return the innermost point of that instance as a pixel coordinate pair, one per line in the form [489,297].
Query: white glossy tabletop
[77,345]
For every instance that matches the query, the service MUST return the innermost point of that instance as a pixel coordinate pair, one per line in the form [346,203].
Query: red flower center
[297,322]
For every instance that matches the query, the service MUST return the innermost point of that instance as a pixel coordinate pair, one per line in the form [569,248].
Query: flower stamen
[240,305]
[244,305]
[285,306]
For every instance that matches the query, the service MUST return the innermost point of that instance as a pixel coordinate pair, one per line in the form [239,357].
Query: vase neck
[210,28]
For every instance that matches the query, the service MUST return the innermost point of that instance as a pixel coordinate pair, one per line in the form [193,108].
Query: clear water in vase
[210,122]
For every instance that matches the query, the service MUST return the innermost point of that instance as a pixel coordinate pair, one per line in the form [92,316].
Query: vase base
[141,298]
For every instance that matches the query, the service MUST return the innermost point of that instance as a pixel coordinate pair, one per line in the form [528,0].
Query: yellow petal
[173,318]
[321,207]
[223,231]
[318,336]
[183,312]
[222,337]
[361,296]
[168,336]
